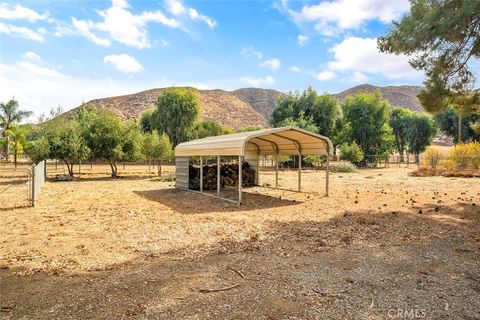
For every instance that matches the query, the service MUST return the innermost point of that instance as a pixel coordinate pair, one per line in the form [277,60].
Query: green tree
[351,152]
[17,138]
[146,120]
[367,119]
[448,121]
[441,37]
[68,145]
[421,131]
[301,121]
[322,110]
[400,122]
[158,148]
[206,128]
[11,114]
[177,112]
[39,149]
[108,139]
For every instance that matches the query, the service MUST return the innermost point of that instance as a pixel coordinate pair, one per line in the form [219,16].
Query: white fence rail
[38,178]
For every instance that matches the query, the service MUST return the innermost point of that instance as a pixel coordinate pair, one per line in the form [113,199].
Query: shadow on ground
[195,203]
[358,265]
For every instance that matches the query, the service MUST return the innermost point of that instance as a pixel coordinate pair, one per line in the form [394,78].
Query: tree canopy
[177,112]
[366,122]
[448,123]
[441,37]
[308,110]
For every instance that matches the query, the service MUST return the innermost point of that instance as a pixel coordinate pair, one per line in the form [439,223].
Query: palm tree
[9,115]
[18,136]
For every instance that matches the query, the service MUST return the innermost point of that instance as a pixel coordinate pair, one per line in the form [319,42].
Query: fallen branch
[237,272]
[219,289]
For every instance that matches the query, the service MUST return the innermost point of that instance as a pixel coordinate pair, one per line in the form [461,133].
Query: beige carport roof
[285,140]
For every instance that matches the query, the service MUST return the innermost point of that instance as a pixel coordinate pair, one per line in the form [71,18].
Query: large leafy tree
[321,110]
[366,122]
[421,131]
[177,112]
[448,122]
[11,114]
[441,37]
[400,122]
[206,128]
[108,139]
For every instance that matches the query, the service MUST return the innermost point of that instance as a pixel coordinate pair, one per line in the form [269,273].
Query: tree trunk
[114,168]
[459,129]
[159,168]
[15,157]
[402,157]
[7,156]
[69,168]
[417,158]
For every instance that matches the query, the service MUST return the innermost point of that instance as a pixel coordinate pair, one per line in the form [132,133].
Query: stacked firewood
[228,176]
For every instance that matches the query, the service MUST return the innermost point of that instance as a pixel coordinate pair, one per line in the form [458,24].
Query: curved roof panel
[285,141]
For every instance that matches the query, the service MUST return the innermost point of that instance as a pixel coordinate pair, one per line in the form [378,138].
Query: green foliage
[342,166]
[206,128]
[366,122]
[65,143]
[250,128]
[400,121]
[146,120]
[177,112]
[108,139]
[314,160]
[440,37]
[420,133]
[39,150]
[308,110]
[301,121]
[351,152]
[447,121]
[17,138]
[157,148]
[11,114]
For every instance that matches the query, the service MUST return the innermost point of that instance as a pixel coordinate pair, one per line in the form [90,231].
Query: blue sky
[60,53]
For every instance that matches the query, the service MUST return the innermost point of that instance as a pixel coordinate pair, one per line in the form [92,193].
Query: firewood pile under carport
[228,176]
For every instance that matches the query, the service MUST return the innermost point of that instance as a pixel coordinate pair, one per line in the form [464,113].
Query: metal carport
[248,146]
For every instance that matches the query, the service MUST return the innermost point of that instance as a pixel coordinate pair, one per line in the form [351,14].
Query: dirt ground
[383,245]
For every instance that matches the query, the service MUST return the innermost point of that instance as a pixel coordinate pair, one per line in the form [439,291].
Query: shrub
[466,155]
[432,157]
[351,152]
[314,160]
[343,166]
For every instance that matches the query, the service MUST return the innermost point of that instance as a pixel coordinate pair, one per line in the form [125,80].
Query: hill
[398,96]
[246,106]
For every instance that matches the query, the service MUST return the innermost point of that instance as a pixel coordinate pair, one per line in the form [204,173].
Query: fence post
[33,185]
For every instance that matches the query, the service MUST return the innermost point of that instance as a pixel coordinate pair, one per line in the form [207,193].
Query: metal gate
[15,188]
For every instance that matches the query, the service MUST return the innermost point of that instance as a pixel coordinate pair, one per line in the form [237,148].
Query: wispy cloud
[21,32]
[19,12]
[124,63]
[271,64]
[258,81]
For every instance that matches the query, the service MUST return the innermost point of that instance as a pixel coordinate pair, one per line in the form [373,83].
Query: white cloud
[333,17]
[294,69]
[177,8]
[18,12]
[32,68]
[302,40]
[325,75]
[361,54]
[31,56]
[124,63]
[253,81]
[250,52]
[122,26]
[84,28]
[358,77]
[272,64]
[20,32]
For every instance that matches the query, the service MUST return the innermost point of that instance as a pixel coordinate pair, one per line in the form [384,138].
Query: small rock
[420,211]
[436,209]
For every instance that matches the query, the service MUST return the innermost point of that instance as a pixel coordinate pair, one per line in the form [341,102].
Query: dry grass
[383,239]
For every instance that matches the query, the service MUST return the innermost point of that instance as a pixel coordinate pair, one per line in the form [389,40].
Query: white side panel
[251,157]
[181,172]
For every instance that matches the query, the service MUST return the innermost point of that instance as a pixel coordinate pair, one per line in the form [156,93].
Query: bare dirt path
[383,245]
